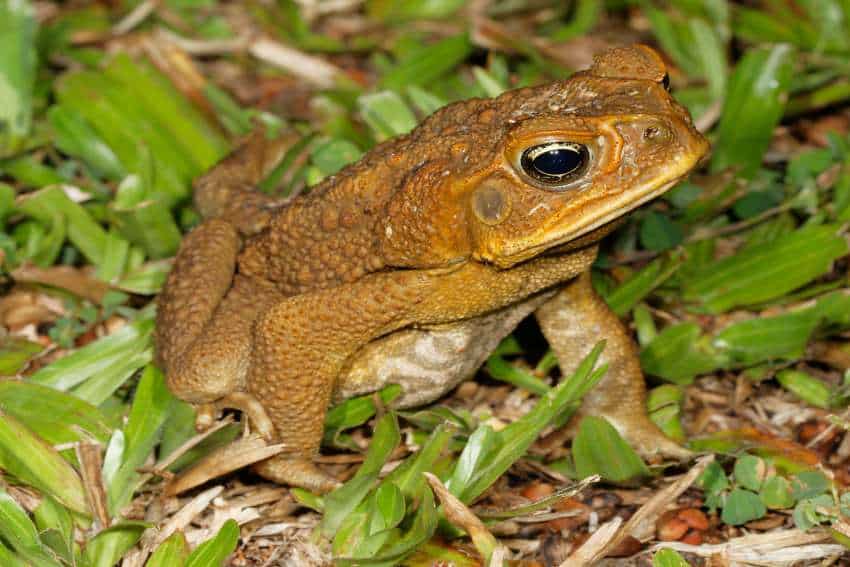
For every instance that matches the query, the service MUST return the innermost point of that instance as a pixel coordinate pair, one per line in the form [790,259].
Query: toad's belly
[427,363]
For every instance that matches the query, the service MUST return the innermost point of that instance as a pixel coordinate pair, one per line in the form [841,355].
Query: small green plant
[754,488]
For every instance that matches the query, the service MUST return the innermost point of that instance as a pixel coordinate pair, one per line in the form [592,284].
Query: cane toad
[410,265]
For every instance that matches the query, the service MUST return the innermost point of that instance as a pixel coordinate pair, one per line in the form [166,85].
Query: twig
[315,70]
[136,16]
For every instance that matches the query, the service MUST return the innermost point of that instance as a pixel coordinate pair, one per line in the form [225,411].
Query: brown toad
[410,265]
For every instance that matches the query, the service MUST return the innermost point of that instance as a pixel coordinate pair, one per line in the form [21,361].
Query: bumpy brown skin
[410,265]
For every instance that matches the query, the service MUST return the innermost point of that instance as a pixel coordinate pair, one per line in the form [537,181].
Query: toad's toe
[299,472]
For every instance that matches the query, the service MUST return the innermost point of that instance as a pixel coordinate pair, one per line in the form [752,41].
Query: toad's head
[542,168]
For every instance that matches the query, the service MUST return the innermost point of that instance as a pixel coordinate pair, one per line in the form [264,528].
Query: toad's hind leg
[204,320]
[201,276]
[573,321]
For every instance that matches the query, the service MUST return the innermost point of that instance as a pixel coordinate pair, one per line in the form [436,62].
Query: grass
[735,284]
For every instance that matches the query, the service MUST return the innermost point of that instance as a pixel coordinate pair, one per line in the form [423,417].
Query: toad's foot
[645,438]
[251,409]
[296,471]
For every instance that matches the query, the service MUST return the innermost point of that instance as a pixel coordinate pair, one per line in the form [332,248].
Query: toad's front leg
[300,347]
[573,321]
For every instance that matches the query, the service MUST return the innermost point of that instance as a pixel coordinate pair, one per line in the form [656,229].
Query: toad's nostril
[657,134]
[650,133]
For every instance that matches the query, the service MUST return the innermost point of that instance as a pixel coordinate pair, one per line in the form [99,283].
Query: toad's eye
[556,162]
[665,82]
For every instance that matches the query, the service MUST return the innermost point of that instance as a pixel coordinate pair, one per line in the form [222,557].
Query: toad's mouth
[598,217]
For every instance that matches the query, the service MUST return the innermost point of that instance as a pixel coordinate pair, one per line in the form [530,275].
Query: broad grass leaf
[36,463]
[18,66]
[394,12]
[354,412]
[427,63]
[480,448]
[146,279]
[423,526]
[345,499]
[109,546]
[387,114]
[752,108]
[55,527]
[83,231]
[55,416]
[765,271]
[629,293]
[334,154]
[806,387]
[664,404]
[77,138]
[668,558]
[599,449]
[783,337]
[709,50]
[143,219]
[408,476]
[170,553]
[151,407]
[389,508]
[15,352]
[513,441]
[501,369]
[658,232]
[215,551]
[16,528]
[679,353]
[102,360]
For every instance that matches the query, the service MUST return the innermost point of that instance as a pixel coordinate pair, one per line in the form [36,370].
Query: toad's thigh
[217,361]
[429,362]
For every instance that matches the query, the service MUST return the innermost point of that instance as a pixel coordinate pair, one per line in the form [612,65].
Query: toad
[411,265]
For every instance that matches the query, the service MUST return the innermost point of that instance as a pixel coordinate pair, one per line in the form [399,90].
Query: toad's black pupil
[557,161]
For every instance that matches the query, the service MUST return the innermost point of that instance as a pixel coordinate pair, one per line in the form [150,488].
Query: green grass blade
[342,501]
[18,63]
[599,449]
[76,137]
[56,528]
[146,279]
[422,528]
[83,231]
[679,353]
[766,271]
[639,285]
[214,552]
[36,463]
[427,63]
[501,369]
[151,407]
[765,339]
[514,440]
[195,137]
[754,105]
[387,114]
[109,546]
[55,416]
[15,525]
[145,220]
[170,553]
[99,358]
